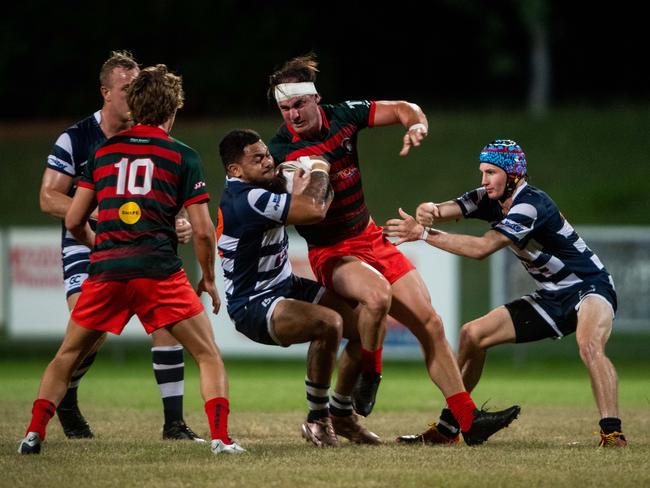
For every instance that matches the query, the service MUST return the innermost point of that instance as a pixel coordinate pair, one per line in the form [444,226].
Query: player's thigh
[163,338]
[411,304]
[295,321]
[345,309]
[195,334]
[491,329]
[358,281]
[595,317]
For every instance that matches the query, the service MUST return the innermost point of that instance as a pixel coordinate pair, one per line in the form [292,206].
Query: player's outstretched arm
[76,218]
[204,247]
[429,213]
[407,229]
[409,115]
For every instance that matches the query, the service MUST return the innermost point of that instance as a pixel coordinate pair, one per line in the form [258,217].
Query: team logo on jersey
[130,213]
[347,145]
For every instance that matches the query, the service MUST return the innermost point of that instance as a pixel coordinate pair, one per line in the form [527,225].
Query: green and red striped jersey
[142,177]
[348,214]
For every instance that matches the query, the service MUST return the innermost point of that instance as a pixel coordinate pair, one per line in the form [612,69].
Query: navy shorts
[254,319]
[554,314]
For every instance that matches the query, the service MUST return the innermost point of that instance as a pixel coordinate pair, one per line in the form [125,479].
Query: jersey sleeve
[192,183]
[61,157]
[475,204]
[522,219]
[359,112]
[264,207]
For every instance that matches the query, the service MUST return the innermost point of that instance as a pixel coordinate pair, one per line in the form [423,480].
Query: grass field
[552,443]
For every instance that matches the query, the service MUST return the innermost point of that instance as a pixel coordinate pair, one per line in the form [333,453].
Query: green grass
[550,445]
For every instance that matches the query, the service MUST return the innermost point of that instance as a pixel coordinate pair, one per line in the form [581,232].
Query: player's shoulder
[188,153]
[533,196]
[81,132]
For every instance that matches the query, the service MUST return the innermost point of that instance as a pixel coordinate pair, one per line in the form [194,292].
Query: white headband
[285,91]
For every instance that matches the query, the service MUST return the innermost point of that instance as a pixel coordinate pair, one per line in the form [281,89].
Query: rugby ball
[288,169]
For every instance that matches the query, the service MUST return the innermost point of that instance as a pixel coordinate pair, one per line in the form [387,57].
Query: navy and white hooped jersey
[69,156]
[252,241]
[554,255]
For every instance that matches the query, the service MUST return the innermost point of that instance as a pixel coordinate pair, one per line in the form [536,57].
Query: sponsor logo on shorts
[130,213]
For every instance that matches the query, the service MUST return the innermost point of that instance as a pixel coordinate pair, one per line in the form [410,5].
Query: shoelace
[608,439]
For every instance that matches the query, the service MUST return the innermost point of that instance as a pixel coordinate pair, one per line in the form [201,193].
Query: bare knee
[590,349]
[435,328]
[377,299]
[330,326]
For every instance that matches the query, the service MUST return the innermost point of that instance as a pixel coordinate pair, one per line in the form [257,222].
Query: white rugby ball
[288,169]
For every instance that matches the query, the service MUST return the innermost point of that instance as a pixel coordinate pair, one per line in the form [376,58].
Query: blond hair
[118,59]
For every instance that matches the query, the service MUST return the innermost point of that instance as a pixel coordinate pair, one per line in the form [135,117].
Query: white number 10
[124,167]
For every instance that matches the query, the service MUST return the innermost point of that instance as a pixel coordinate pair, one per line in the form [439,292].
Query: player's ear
[234,169]
[317,98]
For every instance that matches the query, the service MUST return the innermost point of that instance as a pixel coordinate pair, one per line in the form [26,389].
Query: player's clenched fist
[427,213]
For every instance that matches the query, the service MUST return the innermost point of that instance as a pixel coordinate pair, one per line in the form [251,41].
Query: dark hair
[155,95]
[302,68]
[231,147]
[118,59]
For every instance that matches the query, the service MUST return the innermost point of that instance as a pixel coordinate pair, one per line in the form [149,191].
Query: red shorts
[109,305]
[370,246]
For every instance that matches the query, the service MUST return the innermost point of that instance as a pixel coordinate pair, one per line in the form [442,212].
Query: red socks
[462,406]
[217,410]
[42,411]
[371,360]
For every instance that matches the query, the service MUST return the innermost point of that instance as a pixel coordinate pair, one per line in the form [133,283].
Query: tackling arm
[407,230]
[429,213]
[311,205]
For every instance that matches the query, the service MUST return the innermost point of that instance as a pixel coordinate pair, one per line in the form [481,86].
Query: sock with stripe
[217,410]
[341,405]
[371,360]
[42,411]
[70,398]
[169,370]
[317,400]
[462,406]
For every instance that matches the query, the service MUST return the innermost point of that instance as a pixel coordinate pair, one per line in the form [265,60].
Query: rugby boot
[365,392]
[430,436]
[348,426]
[31,444]
[217,446]
[320,432]
[613,439]
[74,424]
[487,423]
[178,430]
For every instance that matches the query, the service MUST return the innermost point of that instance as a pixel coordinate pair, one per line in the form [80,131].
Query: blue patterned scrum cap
[505,154]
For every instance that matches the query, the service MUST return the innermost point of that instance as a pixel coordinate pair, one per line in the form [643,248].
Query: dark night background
[444,54]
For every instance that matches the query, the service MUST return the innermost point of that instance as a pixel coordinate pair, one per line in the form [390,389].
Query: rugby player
[65,165]
[266,301]
[139,179]
[575,293]
[347,250]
